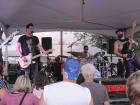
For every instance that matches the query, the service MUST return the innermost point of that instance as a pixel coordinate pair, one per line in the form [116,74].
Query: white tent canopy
[99,16]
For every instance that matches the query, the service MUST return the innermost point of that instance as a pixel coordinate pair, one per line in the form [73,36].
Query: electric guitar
[131,53]
[29,59]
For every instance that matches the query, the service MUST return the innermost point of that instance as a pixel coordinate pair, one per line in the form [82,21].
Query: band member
[29,45]
[123,48]
[85,48]
[87,56]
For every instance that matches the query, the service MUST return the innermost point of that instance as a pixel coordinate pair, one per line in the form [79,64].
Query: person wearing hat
[123,47]
[67,92]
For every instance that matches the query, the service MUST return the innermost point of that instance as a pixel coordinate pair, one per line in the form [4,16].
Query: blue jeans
[131,65]
[32,71]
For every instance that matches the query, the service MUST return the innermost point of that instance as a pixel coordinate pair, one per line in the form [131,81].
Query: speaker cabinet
[110,49]
[47,43]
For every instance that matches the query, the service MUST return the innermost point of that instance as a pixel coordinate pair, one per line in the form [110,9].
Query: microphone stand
[6,42]
[73,44]
[9,39]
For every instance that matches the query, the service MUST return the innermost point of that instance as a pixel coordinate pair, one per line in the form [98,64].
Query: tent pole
[5,69]
[61,44]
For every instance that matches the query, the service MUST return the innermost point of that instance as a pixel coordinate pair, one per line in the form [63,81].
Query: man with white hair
[67,92]
[98,91]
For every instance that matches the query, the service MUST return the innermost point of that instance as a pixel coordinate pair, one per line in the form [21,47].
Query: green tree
[137,38]
[92,39]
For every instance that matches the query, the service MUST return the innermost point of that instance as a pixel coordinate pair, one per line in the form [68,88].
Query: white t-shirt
[66,93]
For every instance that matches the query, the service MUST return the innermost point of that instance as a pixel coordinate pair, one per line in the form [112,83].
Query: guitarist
[123,48]
[29,44]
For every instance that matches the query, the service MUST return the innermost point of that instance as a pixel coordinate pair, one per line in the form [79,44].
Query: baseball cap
[71,69]
[119,30]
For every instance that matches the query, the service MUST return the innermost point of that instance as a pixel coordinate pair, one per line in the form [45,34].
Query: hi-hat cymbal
[78,54]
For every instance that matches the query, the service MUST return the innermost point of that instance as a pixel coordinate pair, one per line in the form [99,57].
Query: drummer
[88,58]
[86,51]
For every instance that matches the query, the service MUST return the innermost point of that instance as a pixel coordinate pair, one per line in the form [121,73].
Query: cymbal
[63,56]
[78,54]
[99,54]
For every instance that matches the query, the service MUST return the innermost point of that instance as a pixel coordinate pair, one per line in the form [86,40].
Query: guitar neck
[132,36]
[46,52]
[36,56]
[133,29]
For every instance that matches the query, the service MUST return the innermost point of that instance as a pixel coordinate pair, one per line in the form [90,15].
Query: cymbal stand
[102,65]
[73,44]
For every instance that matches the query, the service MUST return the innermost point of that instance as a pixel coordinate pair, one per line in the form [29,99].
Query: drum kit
[102,64]
[83,59]
[98,60]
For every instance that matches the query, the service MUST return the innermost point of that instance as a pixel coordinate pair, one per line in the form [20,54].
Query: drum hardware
[102,64]
[49,73]
[113,69]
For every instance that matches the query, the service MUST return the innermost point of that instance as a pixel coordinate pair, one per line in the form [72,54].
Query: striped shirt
[2,84]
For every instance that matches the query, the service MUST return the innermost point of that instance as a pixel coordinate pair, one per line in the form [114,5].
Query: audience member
[67,92]
[21,94]
[98,91]
[133,88]
[3,89]
[40,81]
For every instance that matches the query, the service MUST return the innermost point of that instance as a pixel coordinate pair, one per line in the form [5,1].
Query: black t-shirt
[29,45]
[125,46]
